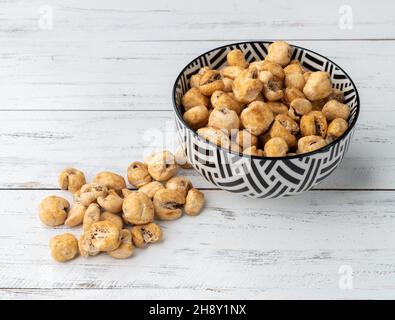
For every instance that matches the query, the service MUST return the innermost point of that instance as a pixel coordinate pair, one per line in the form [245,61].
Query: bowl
[263,177]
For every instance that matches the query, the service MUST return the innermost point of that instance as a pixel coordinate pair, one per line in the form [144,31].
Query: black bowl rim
[298,156]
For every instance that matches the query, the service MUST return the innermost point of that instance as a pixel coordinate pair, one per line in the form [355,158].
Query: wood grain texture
[198,294]
[94,20]
[37,145]
[94,92]
[234,249]
[117,75]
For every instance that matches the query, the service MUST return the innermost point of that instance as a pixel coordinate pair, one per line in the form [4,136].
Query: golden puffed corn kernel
[215,136]
[335,129]
[138,174]
[90,192]
[168,204]
[105,235]
[64,247]
[299,107]
[334,109]
[125,249]
[273,90]
[310,143]
[85,245]
[210,82]
[257,117]
[221,99]
[295,80]
[194,82]
[75,216]
[192,98]
[162,166]
[194,202]
[196,117]
[138,208]
[71,179]
[148,233]
[53,211]
[247,86]
[279,52]
[224,119]
[318,86]
[111,180]
[293,68]
[236,58]
[286,128]
[112,202]
[292,93]
[276,147]
[92,215]
[313,123]
[231,72]
[180,184]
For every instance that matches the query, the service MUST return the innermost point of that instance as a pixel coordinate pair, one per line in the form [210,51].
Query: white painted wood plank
[45,73]
[185,294]
[173,20]
[285,248]
[36,145]
[125,55]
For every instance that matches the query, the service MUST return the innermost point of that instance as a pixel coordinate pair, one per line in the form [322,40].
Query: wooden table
[88,84]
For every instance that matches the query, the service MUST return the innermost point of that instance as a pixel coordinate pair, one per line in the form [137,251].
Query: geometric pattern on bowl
[263,177]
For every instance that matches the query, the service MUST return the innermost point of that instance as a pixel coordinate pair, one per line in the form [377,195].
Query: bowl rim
[240,154]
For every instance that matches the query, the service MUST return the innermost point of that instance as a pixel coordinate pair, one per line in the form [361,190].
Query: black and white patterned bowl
[262,177]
